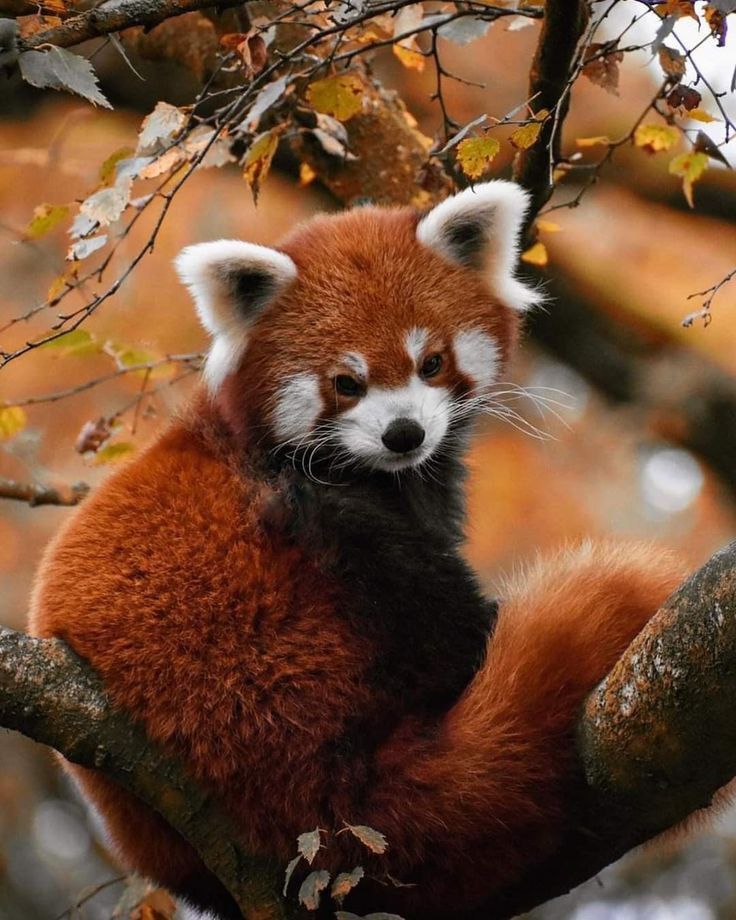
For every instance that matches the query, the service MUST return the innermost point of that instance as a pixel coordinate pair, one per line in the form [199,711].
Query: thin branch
[192,360]
[709,294]
[104,20]
[36,494]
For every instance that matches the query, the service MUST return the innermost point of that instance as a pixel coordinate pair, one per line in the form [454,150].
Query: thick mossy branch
[52,696]
[657,737]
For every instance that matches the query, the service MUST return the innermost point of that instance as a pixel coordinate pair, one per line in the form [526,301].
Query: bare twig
[105,19]
[709,295]
[188,360]
[36,494]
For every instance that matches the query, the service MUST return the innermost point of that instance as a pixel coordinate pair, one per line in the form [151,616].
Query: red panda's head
[371,337]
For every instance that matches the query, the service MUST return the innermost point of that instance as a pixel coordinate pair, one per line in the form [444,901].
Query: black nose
[403,435]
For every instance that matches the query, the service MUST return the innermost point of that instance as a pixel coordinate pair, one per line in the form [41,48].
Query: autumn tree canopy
[308,89]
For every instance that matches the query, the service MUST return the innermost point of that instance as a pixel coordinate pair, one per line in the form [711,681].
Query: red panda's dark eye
[431,366]
[348,386]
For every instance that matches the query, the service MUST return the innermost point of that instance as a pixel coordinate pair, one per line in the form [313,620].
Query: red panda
[275,588]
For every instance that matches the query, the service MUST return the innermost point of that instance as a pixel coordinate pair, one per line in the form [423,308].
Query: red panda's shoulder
[171,517]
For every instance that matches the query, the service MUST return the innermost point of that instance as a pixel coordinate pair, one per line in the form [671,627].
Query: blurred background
[635,442]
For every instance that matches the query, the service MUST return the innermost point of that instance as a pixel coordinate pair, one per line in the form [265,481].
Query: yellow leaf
[172,158]
[701,115]
[376,29]
[599,140]
[407,22]
[654,138]
[129,356]
[409,57]
[475,155]
[45,218]
[258,159]
[526,135]
[340,96]
[547,226]
[421,198]
[75,342]
[677,8]
[306,175]
[12,420]
[108,168]
[535,255]
[691,167]
[59,285]
[113,453]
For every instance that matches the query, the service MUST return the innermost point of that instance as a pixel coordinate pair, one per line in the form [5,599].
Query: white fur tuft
[207,270]
[297,407]
[415,341]
[478,356]
[496,209]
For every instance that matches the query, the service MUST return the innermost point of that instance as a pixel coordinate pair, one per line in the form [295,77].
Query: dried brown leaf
[601,67]
[672,62]
[312,887]
[308,844]
[369,837]
[345,882]
[92,436]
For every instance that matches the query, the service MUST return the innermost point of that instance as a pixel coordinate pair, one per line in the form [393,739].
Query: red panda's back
[223,637]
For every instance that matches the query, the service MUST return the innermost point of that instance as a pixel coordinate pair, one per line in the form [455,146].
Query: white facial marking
[481,227]
[357,364]
[477,356]
[415,343]
[209,270]
[361,428]
[297,407]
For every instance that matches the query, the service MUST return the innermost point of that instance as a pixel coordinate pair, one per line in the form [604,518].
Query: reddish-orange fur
[384,290]
[225,639]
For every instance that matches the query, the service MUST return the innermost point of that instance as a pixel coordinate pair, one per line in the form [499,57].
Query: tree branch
[52,696]
[36,494]
[657,737]
[116,16]
[641,741]
[14,8]
[550,80]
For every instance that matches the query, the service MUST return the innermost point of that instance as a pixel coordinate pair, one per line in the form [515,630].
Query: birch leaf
[57,68]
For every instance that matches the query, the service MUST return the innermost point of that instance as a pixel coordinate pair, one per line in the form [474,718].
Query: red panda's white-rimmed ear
[480,228]
[231,282]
